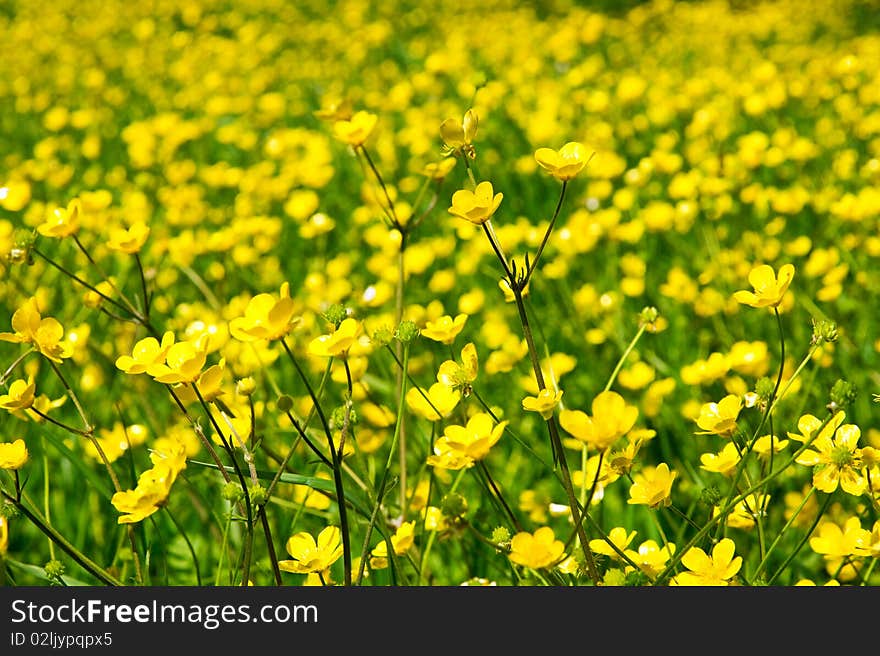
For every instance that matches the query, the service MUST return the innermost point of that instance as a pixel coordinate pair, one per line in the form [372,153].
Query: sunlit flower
[146,353]
[834,541]
[336,343]
[355,130]
[445,329]
[309,555]
[183,362]
[147,497]
[458,135]
[460,376]
[612,418]
[837,461]
[724,462]
[714,570]
[128,240]
[768,287]
[544,404]
[650,557]
[266,317]
[652,486]
[536,550]
[619,537]
[401,542]
[476,206]
[463,445]
[62,222]
[13,455]
[565,163]
[44,333]
[19,397]
[433,404]
[720,418]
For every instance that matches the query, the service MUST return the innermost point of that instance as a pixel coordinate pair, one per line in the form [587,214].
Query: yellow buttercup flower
[44,333]
[62,222]
[460,376]
[266,317]
[146,353]
[467,443]
[19,397]
[650,557]
[536,550]
[401,542]
[545,403]
[612,418]
[444,329]
[183,363]
[149,496]
[458,136]
[439,404]
[652,486]
[619,537]
[128,240]
[336,343]
[724,462]
[720,418]
[476,206]
[769,288]
[310,555]
[836,460]
[13,455]
[565,163]
[355,130]
[716,570]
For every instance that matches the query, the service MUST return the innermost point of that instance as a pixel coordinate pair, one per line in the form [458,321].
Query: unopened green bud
[453,505]
[245,386]
[257,494]
[336,314]
[764,388]
[232,492]
[843,394]
[824,331]
[54,571]
[284,403]
[338,417]
[710,496]
[406,331]
[614,578]
[501,537]
[648,315]
[383,336]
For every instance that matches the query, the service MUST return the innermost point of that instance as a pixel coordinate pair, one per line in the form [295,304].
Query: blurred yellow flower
[768,287]
[612,418]
[19,397]
[45,334]
[355,130]
[444,329]
[128,240]
[544,403]
[183,363]
[336,343]
[62,222]
[440,402]
[13,455]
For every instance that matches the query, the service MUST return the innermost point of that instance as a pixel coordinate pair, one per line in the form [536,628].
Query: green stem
[531,268]
[80,558]
[803,541]
[785,528]
[383,482]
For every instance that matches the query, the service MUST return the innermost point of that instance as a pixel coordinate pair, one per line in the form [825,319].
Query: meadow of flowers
[439,294]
